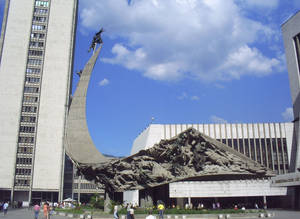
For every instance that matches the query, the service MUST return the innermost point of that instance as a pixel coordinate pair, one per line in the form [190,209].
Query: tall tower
[36,60]
[291,37]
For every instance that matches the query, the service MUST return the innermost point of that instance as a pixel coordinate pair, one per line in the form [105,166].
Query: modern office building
[36,60]
[267,143]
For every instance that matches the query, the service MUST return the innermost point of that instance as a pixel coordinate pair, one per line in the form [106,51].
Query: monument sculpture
[190,154]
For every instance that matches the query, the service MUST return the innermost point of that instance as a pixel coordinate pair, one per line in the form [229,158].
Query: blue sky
[182,61]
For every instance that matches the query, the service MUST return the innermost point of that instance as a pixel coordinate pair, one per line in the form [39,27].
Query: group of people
[130,212]
[46,210]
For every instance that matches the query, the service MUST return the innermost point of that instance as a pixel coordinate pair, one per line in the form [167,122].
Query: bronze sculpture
[96,40]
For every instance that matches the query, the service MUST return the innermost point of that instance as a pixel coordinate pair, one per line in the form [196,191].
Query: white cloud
[195,98]
[216,119]
[288,114]
[173,39]
[104,82]
[182,96]
[185,96]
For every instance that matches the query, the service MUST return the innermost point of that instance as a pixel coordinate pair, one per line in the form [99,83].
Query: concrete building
[36,60]
[267,143]
[291,37]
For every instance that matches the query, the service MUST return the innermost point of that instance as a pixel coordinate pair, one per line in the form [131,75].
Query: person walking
[36,210]
[116,215]
[46,210]
[131,212]
[161,209]
[5,208]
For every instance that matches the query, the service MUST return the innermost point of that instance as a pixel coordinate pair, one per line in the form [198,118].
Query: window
[26,139]
[31,90]
[32,80]
[29,109]
[20,171]
[27,129]
[34,62]
[40,11]
[35,53]
[22,182]
[41,3]
[30,119]
[38,27]
[37,35]
[36,44]
[23,160]
[297,48]
[39,19]
[28,99]
[36,71]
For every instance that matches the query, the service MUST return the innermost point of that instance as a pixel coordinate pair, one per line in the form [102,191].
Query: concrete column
[265,202]
[180,202]
[189,201]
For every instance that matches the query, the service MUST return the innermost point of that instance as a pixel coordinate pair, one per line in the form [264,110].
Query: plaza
[28,214]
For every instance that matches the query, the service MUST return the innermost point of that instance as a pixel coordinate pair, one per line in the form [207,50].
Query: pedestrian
[128,211]
[46,210]
[256,206]
[5,208]
[131,211]
[36,210]
[150,216]
[161,209]
[116,215]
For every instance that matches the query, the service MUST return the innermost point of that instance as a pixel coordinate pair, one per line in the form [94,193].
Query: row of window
[40,11]
[31,90]
[85,186]
[30,119]
[38,27]
[26,139]
[25,150]
[42,3]
[34,44]
[37,35]
[35,53]
[27,129]
[29,109]
[22,182]
[20,171]
[28,99]
[35,71]
[24,160]
[39,19]
[34,62]
[32,80]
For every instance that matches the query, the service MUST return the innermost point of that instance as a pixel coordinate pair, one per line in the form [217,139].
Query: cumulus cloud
[216,119]
[288,114]
[104,82]
[210,40]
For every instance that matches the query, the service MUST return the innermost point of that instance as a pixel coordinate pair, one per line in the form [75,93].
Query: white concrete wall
[12,74]
[54,93]
[237,188]
[131,197]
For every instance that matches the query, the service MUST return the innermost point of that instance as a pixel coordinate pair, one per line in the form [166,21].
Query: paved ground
[26,214]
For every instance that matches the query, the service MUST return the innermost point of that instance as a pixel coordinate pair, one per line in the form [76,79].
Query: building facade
[291,38]
[36,60]
[269,144]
